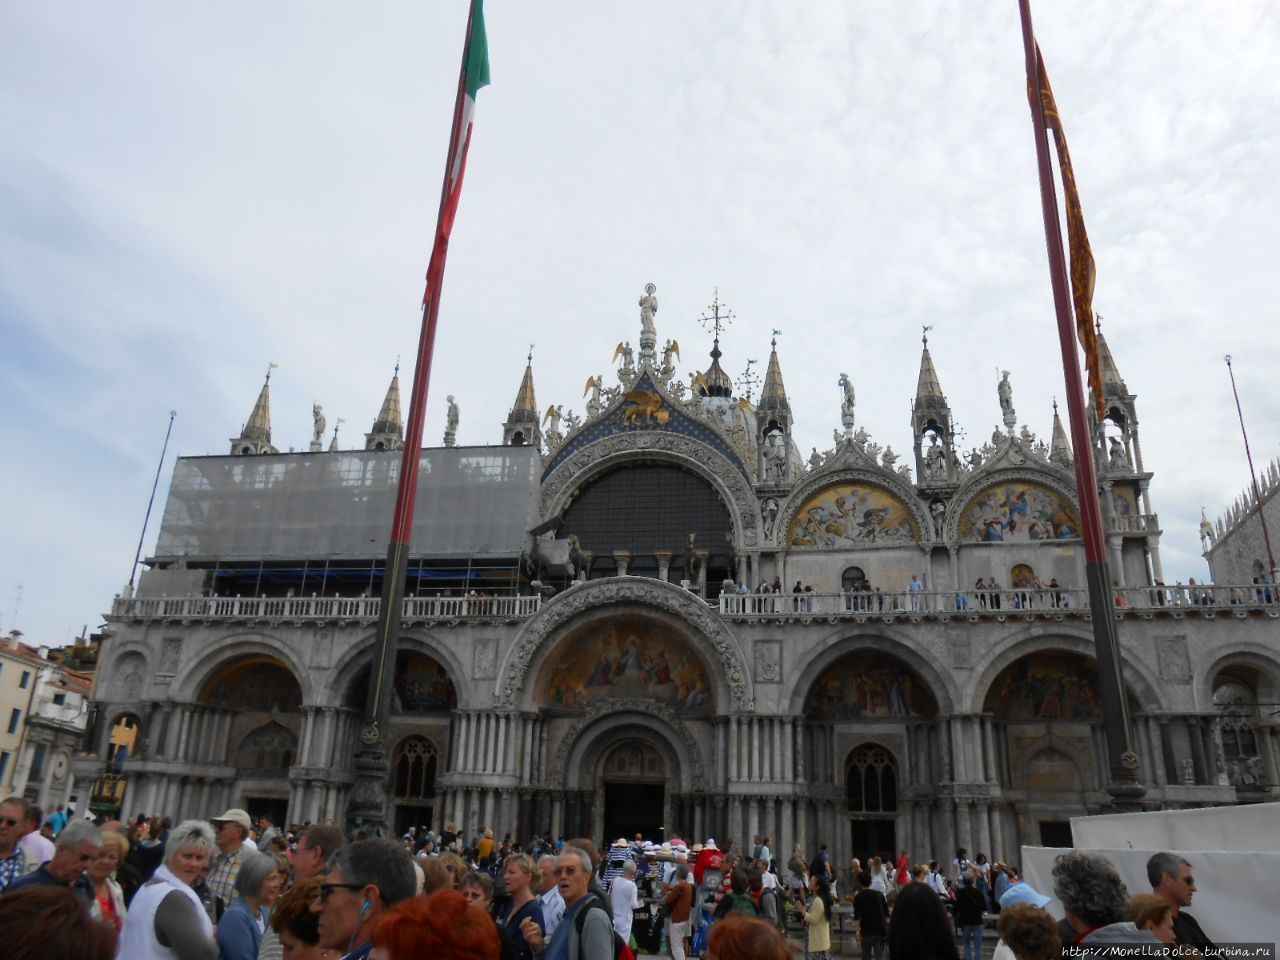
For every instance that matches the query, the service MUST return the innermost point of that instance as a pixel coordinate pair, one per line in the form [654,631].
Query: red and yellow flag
[1082,267]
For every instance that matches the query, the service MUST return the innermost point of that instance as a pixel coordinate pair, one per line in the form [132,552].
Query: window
[26,679]
[13,720]
[59,699]
[415,767]
[871,780]
[4,764]
[37,761]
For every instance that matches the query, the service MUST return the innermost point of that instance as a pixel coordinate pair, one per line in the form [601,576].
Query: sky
[189,192]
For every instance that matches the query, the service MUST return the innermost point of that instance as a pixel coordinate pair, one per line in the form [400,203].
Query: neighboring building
[575,654]
[1235,545]
[47,717]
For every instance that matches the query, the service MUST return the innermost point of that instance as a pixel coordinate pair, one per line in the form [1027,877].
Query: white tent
[1233,851]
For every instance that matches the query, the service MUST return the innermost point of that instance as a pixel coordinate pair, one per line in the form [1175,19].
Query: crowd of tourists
[233,888]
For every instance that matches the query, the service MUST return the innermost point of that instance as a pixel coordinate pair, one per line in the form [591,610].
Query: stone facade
[899,704]
[1235,546]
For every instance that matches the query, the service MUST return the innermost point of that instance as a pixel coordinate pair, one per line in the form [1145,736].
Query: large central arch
[642,596]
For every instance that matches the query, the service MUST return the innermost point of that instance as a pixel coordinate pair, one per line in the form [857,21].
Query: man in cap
[230,832]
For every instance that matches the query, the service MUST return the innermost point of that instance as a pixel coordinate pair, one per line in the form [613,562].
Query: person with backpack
[586,932]
[739,898]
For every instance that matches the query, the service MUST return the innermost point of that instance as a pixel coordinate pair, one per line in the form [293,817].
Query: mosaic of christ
[625,658]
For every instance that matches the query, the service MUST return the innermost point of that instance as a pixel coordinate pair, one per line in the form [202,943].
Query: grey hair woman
[241,927]
[166,918]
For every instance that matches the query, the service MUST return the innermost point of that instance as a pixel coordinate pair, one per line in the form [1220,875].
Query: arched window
[853,579]
[267,752]
[871,779]
[634,760]
[1238,711]
[415,765]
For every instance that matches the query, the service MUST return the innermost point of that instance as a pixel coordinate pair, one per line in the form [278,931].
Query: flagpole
[367,806]
[1125,786]
[1253,474]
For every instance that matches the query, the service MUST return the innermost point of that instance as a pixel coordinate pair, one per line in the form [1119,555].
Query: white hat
[711,843]
[234,815]
[622,842]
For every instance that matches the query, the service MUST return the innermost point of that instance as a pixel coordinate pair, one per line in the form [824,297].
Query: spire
[928,389]
[388,430]
[523,424]
[1059,446]
[1111,378]
[773,395]
[255,435]
[715,382]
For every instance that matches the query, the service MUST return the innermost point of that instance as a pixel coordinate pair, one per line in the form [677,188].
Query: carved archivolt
[705,628]
[613,707]
[697,457]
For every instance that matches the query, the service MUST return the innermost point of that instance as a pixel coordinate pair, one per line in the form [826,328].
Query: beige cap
[234,815]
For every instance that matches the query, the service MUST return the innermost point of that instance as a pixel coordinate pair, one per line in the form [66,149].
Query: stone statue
[846,402]
[317,423]
[451,422]
[889,458]
[935,461]
[554,416]
[594,386]
[668,368]
[1188,772]
[648,307]
[815,459]
[769,515]
[1026,435]
[775,456]
[1117,459]
[860,438]
[1005,389]
[938,510]
[571,421]
[974,458]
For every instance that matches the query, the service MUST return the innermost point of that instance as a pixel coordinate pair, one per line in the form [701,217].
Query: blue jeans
[972,934]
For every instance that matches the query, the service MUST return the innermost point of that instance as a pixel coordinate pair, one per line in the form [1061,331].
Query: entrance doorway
[277,808]
[1056,833]
[874,838]
[631,808]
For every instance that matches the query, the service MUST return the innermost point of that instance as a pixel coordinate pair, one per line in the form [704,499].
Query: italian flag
[475,74]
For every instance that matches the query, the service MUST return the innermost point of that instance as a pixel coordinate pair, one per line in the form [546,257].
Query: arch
[868,684]
[1015,507]
[851,513]
[421,684]
[871,780]
[726,477]
[613,596]
[193,677]
[1141,686]
[606,724]
[255,683]
[853,578]
[624,656]
[634,760]
[883,642]
[415,764]
[359,655]
[1251,655]
[1051,769]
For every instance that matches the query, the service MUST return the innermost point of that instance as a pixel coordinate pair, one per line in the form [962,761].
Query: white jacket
[138,938]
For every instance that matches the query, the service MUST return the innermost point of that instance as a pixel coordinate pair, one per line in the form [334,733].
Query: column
[526,757]
[964,825]
[622,558]
[501,758]
[664,564]
[943,734]
[489,811]
[983,824]
[1196,735]
[788,739]
[990,768]
[752,826]
[733,747]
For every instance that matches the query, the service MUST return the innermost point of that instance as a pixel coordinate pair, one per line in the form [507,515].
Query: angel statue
[594,386]
[624,351]
[317,422]
[671,349]
[553,417]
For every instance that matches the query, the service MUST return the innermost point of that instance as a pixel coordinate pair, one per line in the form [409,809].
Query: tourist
[902,869]
[240,929]
[77,846]
[960,865]
[443,926]
[817,918]
[1171,880]
[477,890]
[678,902]
[232,830]
[108,897]
[267,834]
[1095,901]
[166,918]
[1028,933]
[36,843]
[744,938]
[919,928]
[624,900]
[365,879]
[936,881]
[39,923]
[518,872]
[971,905]
[295,929]
[739,899]
[549,896]
[15,860]
[871,910]
[1149,912]
[999,884]
[586,931]
[484,848]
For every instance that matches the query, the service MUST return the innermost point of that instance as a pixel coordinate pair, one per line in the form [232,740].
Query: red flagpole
[367,809]
[1125,784]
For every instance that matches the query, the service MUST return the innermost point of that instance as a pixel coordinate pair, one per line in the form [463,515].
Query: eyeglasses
[6,821]
[1189,881]
[328,888]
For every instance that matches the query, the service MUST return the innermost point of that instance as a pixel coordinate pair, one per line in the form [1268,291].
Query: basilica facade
[663,618]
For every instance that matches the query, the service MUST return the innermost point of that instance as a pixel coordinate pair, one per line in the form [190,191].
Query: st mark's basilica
[593,644]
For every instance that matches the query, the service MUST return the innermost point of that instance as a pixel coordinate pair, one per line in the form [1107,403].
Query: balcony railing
[1134,523]
[316,609]
[1185,598]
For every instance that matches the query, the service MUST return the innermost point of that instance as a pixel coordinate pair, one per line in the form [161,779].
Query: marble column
[1196,736]
[733,748]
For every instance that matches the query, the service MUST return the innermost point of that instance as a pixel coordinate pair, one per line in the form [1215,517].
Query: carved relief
[1173,660]
[768,661]
[484,659]
[665,598]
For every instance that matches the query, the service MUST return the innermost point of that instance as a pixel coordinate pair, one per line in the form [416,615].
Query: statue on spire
[1005,390]
[451,423]
[317,427]
[648,307]
[846,402]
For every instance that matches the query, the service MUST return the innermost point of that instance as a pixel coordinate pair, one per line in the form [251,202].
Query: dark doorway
[409,816]
[874,838]
[277,808]
[1055,833]
[631,808]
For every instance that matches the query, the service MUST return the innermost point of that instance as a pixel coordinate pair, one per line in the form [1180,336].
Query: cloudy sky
[190,191]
